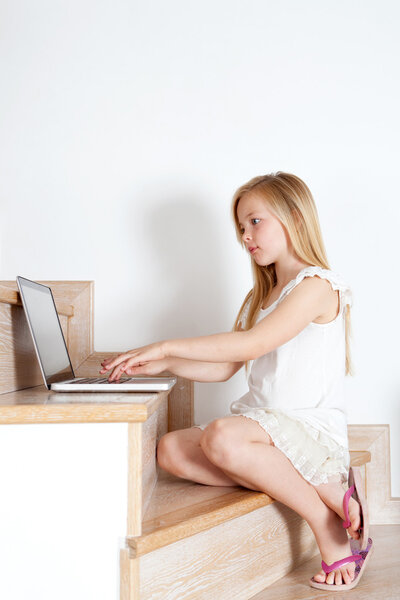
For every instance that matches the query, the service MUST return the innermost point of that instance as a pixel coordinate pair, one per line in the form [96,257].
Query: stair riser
[153,429]
[233,560]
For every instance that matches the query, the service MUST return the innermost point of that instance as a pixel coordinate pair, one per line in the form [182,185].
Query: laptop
[52,353]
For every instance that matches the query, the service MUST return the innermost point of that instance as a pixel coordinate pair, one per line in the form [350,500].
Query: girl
[289,437]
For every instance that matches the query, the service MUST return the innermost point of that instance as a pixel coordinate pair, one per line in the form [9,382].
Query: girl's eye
[242,230]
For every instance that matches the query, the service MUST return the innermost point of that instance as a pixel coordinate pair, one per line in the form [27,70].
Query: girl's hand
[133,358]
[153,367]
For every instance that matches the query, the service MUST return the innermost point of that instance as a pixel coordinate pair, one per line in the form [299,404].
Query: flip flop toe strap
[340,563]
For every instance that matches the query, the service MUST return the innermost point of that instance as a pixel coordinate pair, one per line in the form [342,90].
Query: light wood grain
[181,405]
[39,405]
[135,479]
[232,560]
[130,576]
[358,458]
[153,429]
[142,466]
[19,367]
[187,521]
[383,508]
[9,294]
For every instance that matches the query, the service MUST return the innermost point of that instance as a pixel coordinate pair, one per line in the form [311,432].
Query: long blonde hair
[291,201]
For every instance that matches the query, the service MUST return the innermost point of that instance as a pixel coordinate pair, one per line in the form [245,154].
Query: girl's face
[263,234]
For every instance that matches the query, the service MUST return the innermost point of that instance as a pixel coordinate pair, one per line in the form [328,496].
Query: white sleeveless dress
[296,391]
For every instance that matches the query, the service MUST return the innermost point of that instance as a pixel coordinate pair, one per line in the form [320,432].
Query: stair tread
[173,494]
[358,458]
[179,508]
[40,405]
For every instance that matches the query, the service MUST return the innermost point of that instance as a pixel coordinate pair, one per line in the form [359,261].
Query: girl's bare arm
[195,370]
[198,370]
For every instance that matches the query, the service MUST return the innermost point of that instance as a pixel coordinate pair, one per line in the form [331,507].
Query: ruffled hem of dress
[335,279]
[299,460]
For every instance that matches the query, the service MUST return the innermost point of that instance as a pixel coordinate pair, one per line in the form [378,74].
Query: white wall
[125,128]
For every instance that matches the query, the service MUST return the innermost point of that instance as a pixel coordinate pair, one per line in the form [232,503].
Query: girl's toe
[338,577]
[330,578]
[320,577]
[347,576]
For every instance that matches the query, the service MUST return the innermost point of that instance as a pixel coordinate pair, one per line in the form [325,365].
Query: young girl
[290,440]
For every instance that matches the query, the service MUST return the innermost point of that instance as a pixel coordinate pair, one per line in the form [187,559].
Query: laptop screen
[45,328]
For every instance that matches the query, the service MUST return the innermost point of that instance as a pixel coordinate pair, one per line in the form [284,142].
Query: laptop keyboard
[96,380]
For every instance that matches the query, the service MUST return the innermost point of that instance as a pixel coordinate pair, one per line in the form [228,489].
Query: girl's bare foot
[332,495]
[334,544]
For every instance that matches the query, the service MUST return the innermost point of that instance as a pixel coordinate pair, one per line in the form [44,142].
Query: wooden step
[40,405]
[359,458]
[203,541]
[180,508]
[208,541]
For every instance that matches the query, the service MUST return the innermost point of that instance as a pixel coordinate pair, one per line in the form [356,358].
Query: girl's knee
[164,451]
[170,450]
[217,443]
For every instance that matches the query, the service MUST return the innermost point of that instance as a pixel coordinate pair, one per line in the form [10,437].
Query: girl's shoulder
[336,280]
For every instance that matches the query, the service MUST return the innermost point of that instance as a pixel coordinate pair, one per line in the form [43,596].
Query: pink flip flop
[362,548]
[356,490]
[359,556]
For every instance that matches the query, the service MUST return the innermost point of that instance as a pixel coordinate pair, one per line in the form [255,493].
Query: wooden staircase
[201,541]
[183,539]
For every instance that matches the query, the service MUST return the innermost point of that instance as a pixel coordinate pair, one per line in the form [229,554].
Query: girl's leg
[265,468]
[332,494]
[179,452]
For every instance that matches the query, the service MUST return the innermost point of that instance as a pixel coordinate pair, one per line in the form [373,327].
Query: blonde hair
[291,201]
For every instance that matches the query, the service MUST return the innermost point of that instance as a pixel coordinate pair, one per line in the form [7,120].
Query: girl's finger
[105,366]
[116,374]
[123,368]
[110,363]
[116,361]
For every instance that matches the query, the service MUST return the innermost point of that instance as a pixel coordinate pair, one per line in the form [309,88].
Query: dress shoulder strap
[337,282]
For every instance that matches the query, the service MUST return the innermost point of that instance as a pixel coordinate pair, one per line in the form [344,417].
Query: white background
[125,128]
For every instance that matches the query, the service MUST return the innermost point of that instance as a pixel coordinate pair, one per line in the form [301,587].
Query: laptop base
[126,384]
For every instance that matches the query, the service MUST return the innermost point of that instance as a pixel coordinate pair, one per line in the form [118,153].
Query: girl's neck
[278,287]
[286,273]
